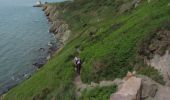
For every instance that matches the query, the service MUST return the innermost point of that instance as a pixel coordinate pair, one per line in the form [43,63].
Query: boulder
[149,89]
[141,88]
[40,62]
[129,5]
[154,91]
[130,90]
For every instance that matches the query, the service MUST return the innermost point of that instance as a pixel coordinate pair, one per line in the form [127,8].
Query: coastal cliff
[59,27]
[112,37]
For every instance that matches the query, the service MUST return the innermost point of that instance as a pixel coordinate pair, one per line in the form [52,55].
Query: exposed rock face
[58,26]
[155,50]
[161,63]
[50,11]
[40,62]
[129,5]
[131,90]
[141,88]
[158,43]
[154,91]
[149,88]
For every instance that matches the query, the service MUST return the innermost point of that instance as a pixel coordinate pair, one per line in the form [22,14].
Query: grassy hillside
[109,34]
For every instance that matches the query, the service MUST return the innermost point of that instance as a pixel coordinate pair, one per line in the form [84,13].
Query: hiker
[77,62]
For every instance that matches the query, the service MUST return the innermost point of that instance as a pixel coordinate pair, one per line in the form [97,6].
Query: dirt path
[80,86]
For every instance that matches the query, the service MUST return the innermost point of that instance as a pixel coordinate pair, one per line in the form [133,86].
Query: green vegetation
[99,93]
[109,40]
[152,73]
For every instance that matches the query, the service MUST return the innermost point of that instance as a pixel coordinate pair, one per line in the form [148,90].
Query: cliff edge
[111,37]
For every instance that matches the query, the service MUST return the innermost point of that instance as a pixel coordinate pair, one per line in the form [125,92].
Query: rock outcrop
[154,91]
[155,50]
[131,90]
[161,63]
[157,43]
[141,88]
[129,5]
[58,26]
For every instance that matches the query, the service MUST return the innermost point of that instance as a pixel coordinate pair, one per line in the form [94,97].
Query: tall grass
[108,52]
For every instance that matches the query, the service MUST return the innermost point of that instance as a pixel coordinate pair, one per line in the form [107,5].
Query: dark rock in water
[27,76]
[45,54]
[40,62]
[10,84]
[41,49]
[52,50]
[40,5]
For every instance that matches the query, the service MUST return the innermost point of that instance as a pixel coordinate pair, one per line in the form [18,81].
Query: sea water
[23,31]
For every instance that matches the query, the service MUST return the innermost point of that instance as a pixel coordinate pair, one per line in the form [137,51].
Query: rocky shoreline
[61,33]
[58,27]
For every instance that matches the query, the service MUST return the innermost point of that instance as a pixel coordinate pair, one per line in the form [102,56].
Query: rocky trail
[80,86]
[132,87]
